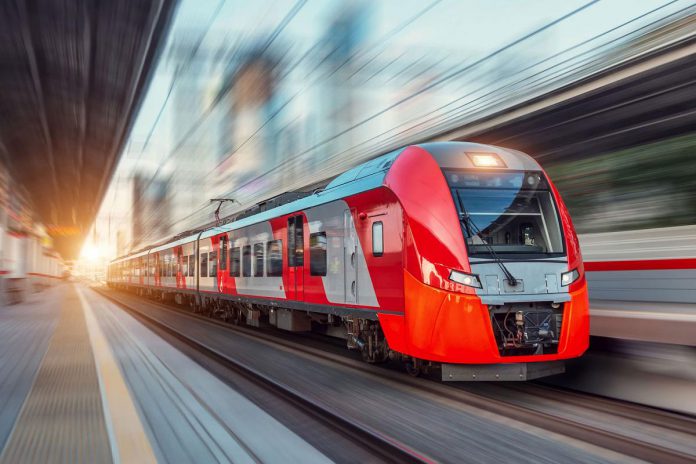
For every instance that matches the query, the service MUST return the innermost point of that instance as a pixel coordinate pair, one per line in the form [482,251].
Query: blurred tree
[642,187]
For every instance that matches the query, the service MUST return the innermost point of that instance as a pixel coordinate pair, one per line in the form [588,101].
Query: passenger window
[377,239]
[212,267]
[274,258]
[204,264]
[317,254]
[192,265]
[246,261]
[235,262]
[258,259]
[184,266]
[223,254]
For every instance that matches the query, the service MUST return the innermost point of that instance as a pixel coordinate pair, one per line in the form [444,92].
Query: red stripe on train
[641,265]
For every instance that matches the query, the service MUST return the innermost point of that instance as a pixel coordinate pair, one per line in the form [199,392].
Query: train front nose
[527,317]
[453,327]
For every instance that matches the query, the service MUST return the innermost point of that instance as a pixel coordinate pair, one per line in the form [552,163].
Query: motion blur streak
[311,89]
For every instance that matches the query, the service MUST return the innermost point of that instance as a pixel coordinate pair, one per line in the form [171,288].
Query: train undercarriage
[362,335]
[533,329]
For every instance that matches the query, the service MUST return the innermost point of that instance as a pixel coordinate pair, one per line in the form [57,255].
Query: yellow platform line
[131,442]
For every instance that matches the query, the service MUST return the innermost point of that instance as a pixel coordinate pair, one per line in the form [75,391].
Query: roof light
[486,160]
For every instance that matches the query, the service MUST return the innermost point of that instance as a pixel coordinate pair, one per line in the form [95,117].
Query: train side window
[192,265]
[258,259]
[377,238]
[246,261]
[223,254]
[317,254]
[184,265]
[204,264]
[212,266]
[235,262]
[274,258]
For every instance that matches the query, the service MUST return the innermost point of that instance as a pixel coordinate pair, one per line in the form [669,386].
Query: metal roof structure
[72,75]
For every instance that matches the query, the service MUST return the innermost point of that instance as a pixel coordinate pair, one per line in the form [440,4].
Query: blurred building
[252,132]
[338,99]
[190,158]
[151,210]
[28,262]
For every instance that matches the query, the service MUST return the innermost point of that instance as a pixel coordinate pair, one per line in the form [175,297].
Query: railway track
[391,450]
[381,447]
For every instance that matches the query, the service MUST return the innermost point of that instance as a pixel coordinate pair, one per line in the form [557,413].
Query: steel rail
[610,440]
[387,449]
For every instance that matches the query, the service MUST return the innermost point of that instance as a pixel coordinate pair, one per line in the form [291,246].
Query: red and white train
[453,254]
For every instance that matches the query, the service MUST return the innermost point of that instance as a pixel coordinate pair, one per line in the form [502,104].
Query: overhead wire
[567,71]
[426,88]
[273,36]
[452,112]
[278,110]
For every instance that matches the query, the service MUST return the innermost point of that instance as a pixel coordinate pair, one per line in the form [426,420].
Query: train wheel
[237,316]
[412,367]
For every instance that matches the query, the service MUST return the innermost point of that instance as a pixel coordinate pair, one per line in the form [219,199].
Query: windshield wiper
[471,226]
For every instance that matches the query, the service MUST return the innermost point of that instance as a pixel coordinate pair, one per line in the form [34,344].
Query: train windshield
[506,213]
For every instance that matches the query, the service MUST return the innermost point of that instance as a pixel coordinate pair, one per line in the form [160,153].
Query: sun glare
[91,253]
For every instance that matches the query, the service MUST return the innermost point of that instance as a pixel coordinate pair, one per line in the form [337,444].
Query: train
[451,256]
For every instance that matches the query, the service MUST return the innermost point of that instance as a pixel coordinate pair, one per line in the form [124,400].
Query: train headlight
[486,160]
[470,280]
[569,277]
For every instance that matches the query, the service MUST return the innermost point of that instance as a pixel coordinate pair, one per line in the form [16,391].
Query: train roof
[361,178]
[449,155]
[364,177]
[371,174]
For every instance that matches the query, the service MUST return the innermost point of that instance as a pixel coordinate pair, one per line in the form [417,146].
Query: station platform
[83,382]
[658,322]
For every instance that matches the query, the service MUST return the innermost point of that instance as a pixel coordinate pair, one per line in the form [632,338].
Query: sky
[463,31]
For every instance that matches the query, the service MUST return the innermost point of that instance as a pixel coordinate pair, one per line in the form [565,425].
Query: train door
[158,270]
[350,258]
[295,290]
[178,274]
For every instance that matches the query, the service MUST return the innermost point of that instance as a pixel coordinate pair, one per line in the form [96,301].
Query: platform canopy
[72,75]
